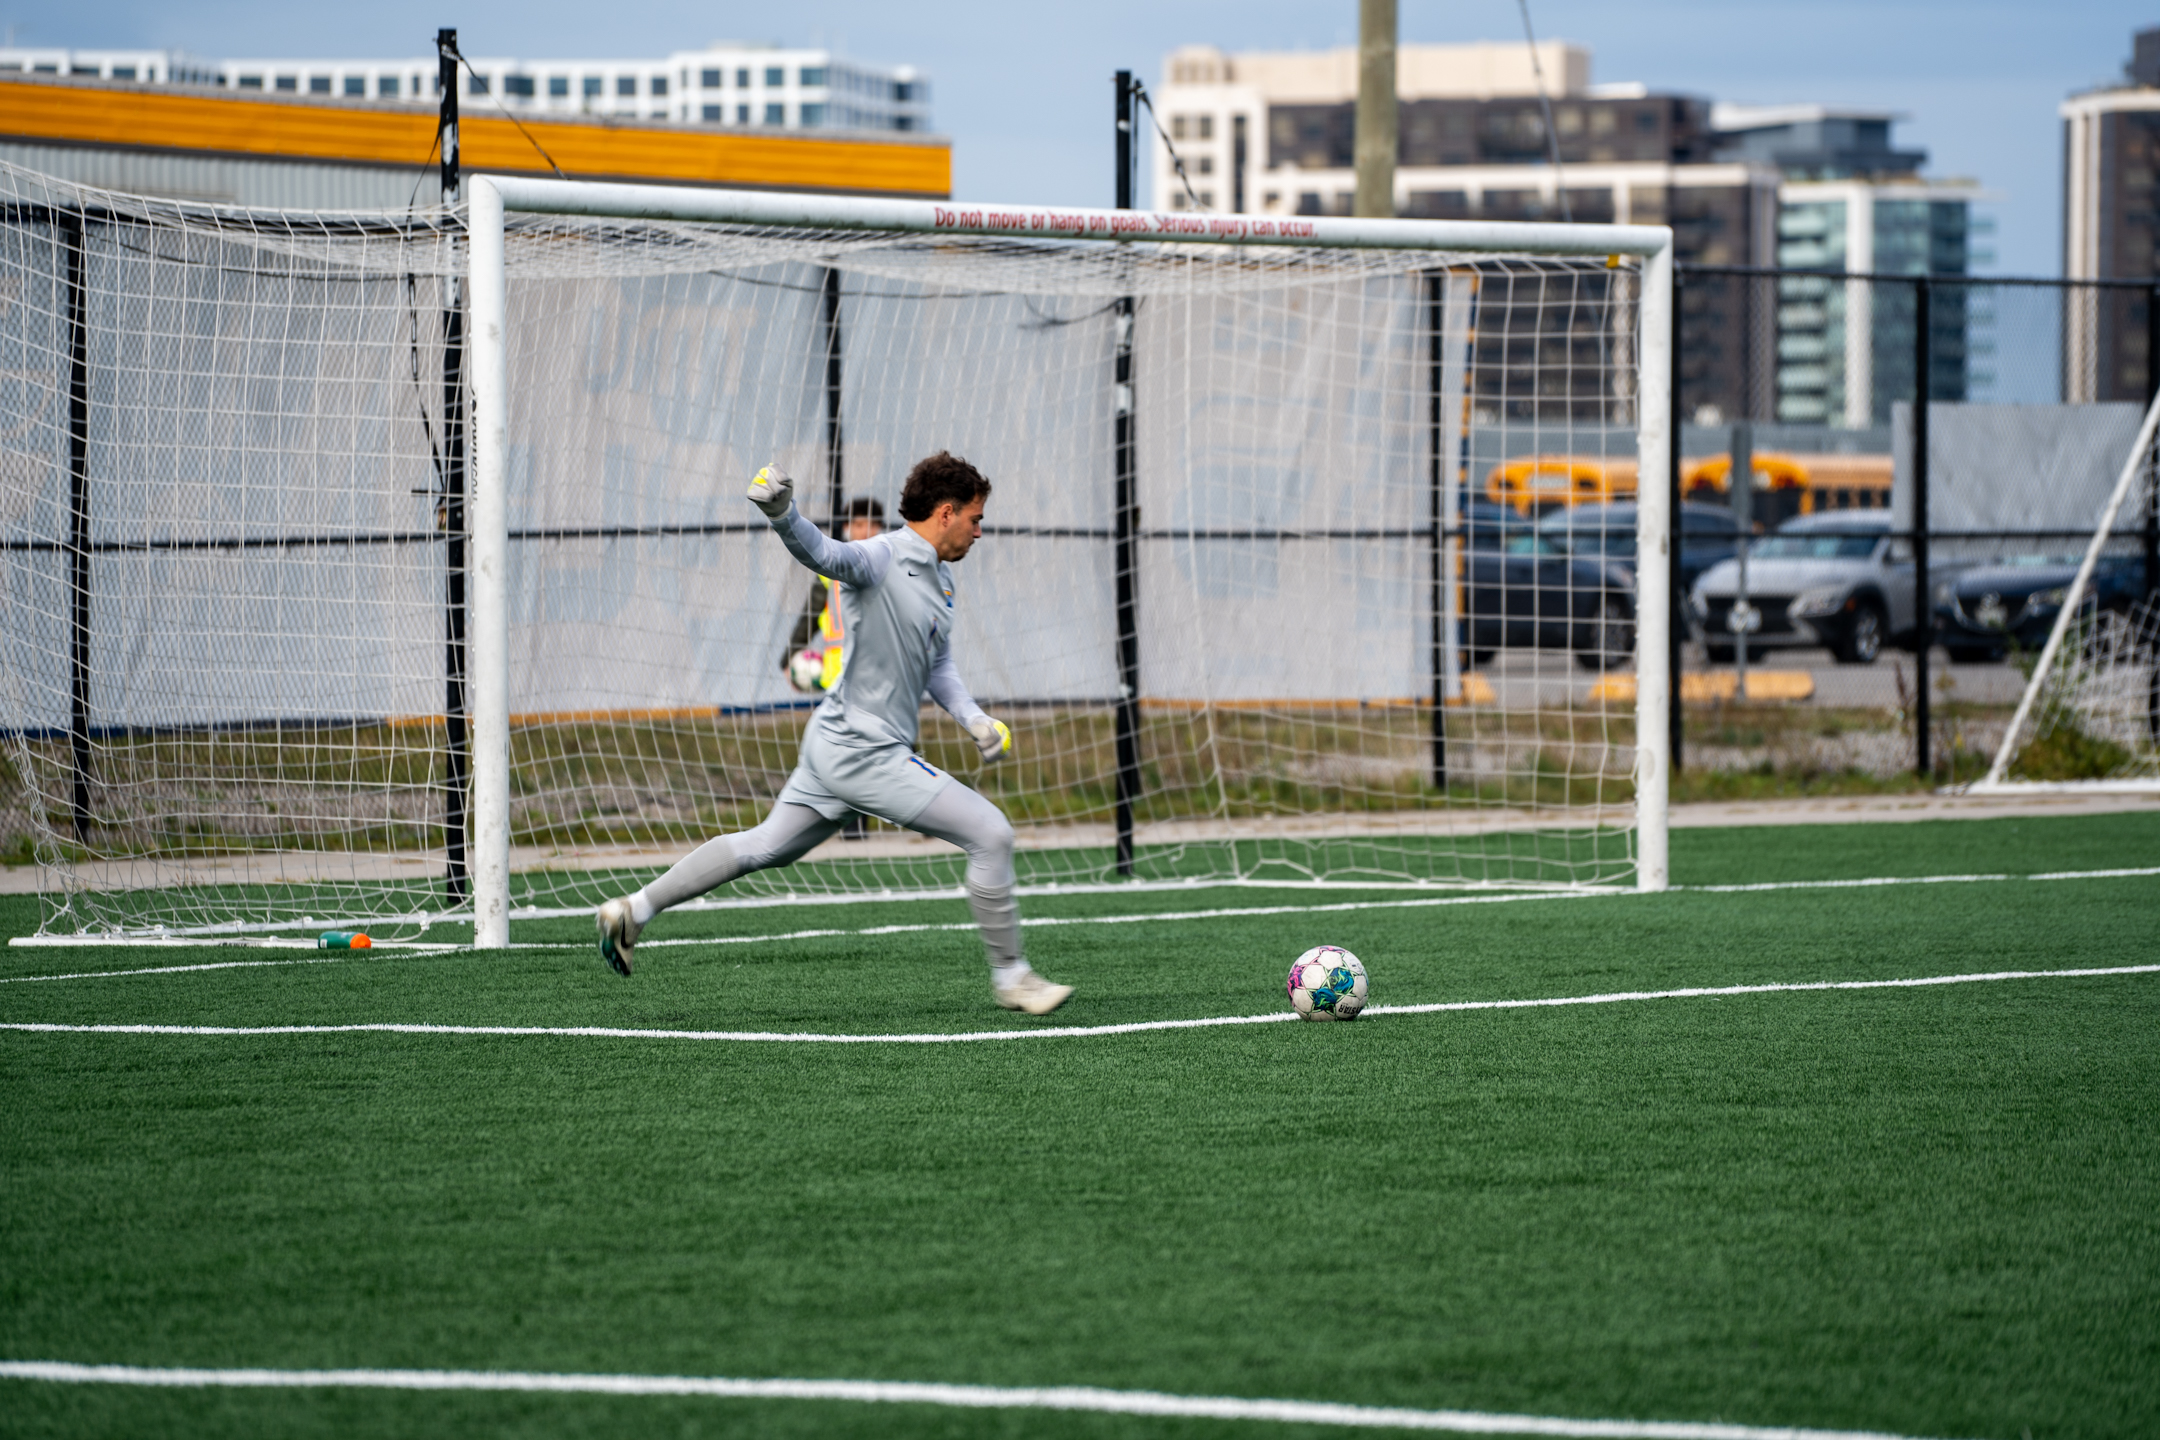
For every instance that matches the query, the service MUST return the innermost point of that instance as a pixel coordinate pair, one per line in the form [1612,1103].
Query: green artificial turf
[1927,1211]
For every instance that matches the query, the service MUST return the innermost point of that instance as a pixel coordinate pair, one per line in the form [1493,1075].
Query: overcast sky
[1023,88]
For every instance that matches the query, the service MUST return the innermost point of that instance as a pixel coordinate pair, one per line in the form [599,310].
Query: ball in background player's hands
[992,737]
[772,491]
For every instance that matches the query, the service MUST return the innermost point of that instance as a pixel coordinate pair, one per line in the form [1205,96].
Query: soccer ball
[806,671]
[1327,983]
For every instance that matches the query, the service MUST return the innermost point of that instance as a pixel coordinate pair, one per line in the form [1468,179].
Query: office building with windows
[759,87]
[1274,134]
[1852,202]
[1804,187]
[2111,229]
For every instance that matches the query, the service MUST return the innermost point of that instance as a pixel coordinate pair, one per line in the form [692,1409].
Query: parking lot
[1522,678]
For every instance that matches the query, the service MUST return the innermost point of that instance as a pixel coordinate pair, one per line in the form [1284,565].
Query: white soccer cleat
[1033,994]
[618,933]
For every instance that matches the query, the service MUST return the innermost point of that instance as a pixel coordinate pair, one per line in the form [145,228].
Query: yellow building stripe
[586,149]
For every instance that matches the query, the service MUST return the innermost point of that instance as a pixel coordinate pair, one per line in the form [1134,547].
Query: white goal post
[493,199]
[2098,676]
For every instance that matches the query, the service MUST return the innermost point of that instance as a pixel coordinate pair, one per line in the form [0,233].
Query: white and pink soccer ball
[806,671]
[1326,983]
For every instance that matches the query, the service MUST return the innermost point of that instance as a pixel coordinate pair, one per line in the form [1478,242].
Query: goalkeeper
[858,752]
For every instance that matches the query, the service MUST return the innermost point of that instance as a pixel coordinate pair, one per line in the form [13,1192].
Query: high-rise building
[725,83]
[1799,187]
[1853,202]
[1274,133]
[2111,231]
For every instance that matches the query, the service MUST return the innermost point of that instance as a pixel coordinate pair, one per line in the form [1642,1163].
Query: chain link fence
[1863,614]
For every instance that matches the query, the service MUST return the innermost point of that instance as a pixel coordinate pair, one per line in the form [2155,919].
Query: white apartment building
[724,84]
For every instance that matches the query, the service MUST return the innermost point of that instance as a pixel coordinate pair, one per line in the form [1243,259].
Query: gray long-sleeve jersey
[896,608]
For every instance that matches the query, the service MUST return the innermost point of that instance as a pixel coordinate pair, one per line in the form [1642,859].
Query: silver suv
[1838,580]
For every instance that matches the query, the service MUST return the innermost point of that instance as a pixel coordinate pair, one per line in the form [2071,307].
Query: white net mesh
[2092,708]
[234,553]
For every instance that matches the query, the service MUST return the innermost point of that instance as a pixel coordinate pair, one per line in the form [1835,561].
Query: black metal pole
[73,240]
[455,757]
[2152,514]
[835,483]
[1128,519]
[1676,621]
[1923,597]
[1435,306]
[2152,463]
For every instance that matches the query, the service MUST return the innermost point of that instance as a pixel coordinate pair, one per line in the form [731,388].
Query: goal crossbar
[493,198]
[1051,222]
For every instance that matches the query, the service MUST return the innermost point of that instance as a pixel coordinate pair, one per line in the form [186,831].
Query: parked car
[1837,580]
[1708,534]
[1520,589]
[1982,611]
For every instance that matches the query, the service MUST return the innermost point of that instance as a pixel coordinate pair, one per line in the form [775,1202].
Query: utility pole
[1376,121]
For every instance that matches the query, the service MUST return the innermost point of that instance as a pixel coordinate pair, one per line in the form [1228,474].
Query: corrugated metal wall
[232,180]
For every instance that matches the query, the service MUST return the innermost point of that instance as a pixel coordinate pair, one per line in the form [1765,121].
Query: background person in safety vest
[819,627]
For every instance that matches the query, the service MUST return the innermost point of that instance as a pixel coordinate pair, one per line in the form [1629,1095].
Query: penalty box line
[906,1392]
[1062,1032]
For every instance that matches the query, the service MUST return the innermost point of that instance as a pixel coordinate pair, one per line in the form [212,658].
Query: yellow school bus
[1847,482]
[1533,484]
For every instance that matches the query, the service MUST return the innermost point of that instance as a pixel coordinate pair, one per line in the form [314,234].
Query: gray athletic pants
[956,814]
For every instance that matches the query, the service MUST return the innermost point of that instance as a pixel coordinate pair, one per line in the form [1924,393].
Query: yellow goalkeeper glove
[772,491]
[992,737]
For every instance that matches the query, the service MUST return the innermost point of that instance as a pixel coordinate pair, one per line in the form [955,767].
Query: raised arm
[851,562]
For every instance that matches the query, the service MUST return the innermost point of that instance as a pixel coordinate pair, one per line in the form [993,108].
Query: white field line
[701,906]
[1912,880]
[1227,912]
[335,958]
[1061,1032]
[905,1392]
[427,948]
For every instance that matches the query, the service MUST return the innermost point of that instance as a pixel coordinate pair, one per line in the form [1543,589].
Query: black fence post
[456,881]
[835,482]
[2152,462]
[1676,626]
[2152,512]
[74,240]
[1923,598]
[1128,518]
[1436,422]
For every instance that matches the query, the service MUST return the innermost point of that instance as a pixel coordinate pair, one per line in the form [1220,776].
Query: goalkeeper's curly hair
[942,477]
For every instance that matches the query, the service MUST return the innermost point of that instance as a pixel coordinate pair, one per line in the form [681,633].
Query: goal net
[2089,717]
[357,561]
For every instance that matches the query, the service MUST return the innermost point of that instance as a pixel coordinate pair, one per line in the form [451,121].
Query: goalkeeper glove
[992,737]
[772,491]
